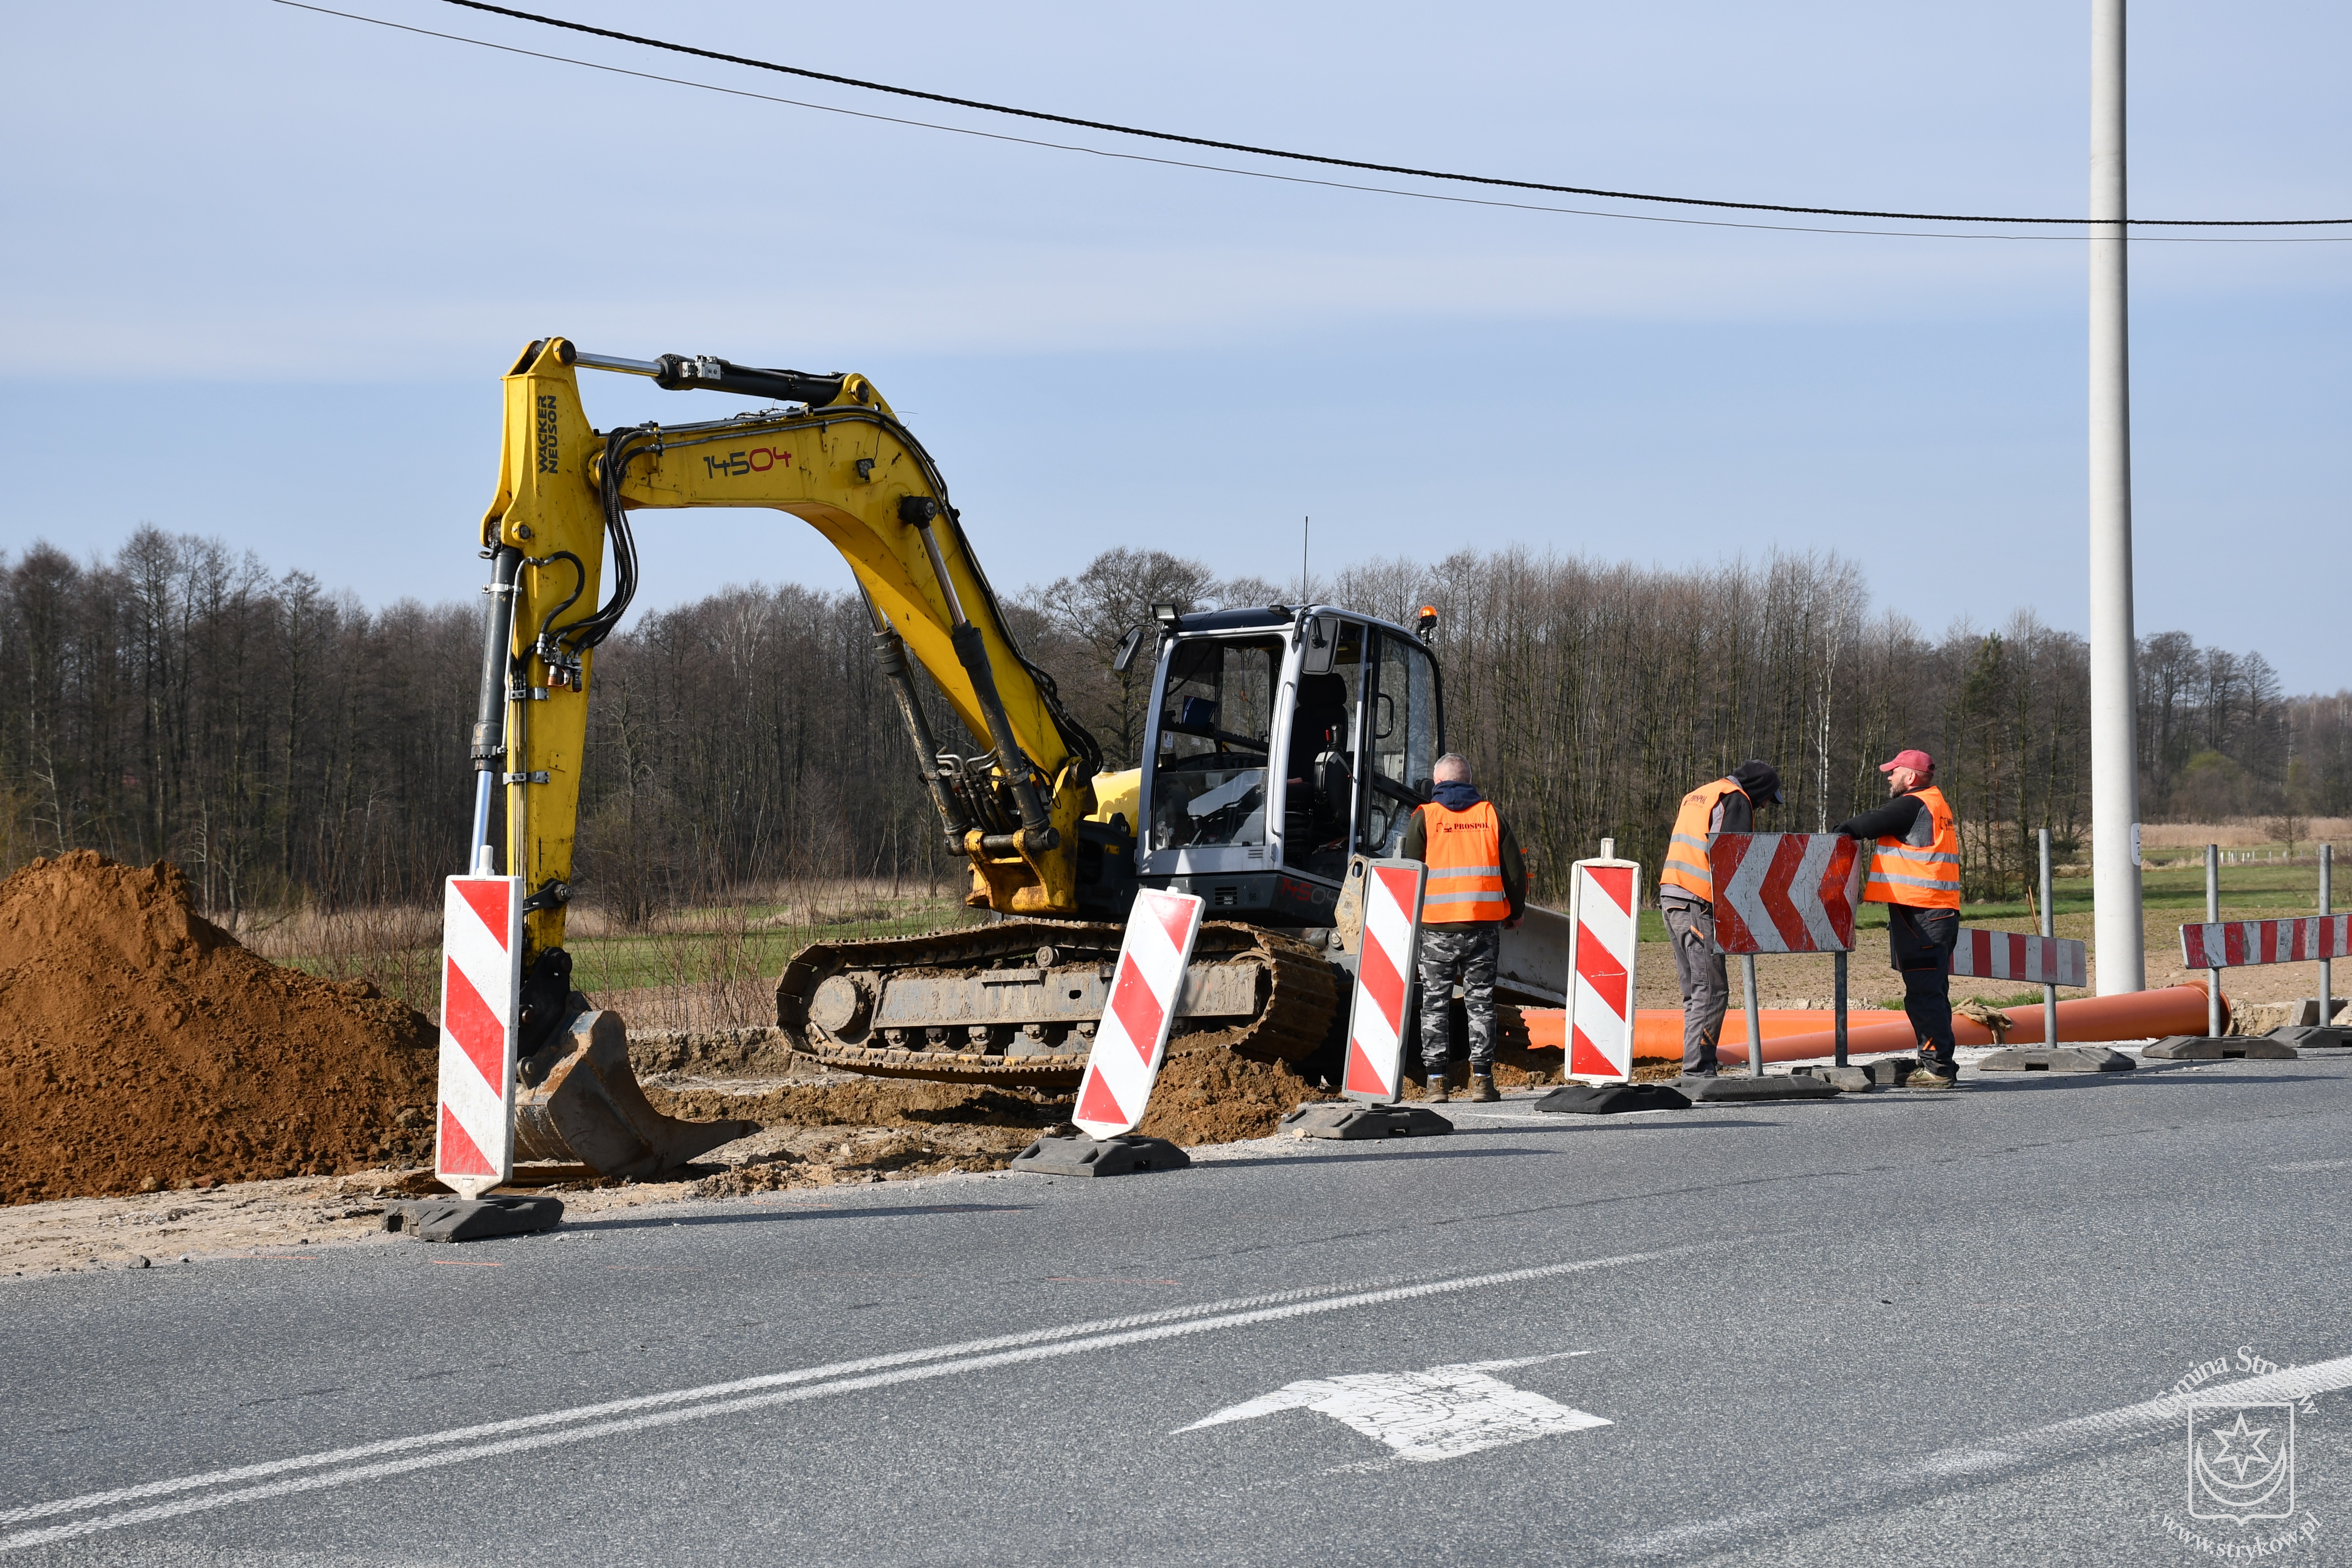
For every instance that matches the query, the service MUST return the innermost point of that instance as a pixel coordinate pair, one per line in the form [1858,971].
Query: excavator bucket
[580,1103]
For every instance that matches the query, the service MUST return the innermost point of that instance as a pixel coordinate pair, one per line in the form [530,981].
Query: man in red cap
[1914,871]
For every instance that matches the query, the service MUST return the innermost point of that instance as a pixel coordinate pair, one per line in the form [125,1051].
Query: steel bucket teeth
[586,1107]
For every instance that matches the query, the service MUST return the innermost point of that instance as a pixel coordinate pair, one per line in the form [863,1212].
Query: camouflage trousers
[1465,953]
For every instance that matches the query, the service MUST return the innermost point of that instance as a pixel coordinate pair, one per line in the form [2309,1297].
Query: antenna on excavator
[1304,525]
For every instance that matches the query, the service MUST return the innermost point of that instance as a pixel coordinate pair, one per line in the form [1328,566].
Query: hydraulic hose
[579,587]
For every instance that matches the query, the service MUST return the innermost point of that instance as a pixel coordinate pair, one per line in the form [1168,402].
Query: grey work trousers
[1706,985]
[1468,951]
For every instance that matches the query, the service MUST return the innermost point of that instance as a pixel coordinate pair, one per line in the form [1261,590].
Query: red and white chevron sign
[1602,896]
[1133,1035]
[2229,944]
[2008,955]
[1384,971]
[1784,892]
[481,997]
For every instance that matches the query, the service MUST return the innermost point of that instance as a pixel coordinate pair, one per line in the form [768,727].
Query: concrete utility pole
[2115,750]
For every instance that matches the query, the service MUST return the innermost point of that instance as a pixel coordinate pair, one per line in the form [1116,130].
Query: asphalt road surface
[1896,1327]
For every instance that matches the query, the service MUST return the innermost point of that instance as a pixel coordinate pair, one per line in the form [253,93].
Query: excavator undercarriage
[1017,1002]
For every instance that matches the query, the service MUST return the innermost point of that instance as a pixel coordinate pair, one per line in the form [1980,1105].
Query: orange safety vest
[1465,856]
[1686,850]
[1923,867]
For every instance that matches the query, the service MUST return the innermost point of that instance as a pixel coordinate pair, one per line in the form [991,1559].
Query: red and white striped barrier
[481,999]
[1384,973]
[2008,955]
[1602,896]
[1133,1036]
[2231,944]
[1784,892]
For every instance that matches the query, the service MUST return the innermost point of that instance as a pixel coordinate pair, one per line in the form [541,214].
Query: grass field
[705,966]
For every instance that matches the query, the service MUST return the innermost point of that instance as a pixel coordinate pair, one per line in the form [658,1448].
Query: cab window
[1216,721]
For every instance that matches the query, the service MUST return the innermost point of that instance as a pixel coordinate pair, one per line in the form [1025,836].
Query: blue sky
[268,265]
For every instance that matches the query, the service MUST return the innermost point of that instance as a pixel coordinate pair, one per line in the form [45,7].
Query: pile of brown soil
[142,1048]
[838,1131]
[1212,1096]
[869,1154]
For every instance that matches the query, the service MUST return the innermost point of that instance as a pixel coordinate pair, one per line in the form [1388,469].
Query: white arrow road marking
[1441,1413]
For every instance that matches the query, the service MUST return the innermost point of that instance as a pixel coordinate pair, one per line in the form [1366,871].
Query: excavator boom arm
[846,466]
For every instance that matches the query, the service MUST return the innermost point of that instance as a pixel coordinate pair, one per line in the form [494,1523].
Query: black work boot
[1482,1087]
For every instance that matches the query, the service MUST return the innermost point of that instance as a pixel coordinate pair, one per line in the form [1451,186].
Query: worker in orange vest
[1686,900]
[1914,871]
[1477,886]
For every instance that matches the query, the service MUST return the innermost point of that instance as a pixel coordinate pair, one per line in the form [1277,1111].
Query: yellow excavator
[1284,745]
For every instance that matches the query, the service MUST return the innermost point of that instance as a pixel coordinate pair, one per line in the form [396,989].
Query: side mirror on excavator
[1322,649]
[1124,659]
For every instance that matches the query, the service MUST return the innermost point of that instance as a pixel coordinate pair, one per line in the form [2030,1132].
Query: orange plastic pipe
[1799,1034]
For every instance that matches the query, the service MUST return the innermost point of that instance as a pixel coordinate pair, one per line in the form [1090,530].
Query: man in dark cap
[1687,899]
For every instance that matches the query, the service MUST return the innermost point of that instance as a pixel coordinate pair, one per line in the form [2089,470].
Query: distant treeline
[289,745]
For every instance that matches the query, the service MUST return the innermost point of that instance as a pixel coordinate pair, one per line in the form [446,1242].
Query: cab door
[1404,734]
[1322,768]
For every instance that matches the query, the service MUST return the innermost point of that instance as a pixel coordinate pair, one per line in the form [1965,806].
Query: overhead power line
[1364,165]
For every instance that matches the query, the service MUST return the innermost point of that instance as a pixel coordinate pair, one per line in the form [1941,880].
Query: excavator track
[1017,1002]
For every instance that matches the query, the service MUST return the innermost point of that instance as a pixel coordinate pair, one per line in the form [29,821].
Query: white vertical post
[2049,929]
[2114,759]
[2326,908]
[2213,914]
[1755,1016]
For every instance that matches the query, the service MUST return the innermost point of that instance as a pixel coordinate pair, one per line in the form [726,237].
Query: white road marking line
[1444,1412]
[2131,1422]
[813,1382]
[616,1406]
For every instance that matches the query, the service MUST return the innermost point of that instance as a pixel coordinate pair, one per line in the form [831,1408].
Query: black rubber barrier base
[1718,1090]
[2313,1037]
[1613,1098]
[2058,1058]
[1076,1154]
[1849,1079]
[2220,1048]
[1353,1118]
[472,1219]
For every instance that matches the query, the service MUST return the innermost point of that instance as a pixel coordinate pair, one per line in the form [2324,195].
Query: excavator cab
[1283,743]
